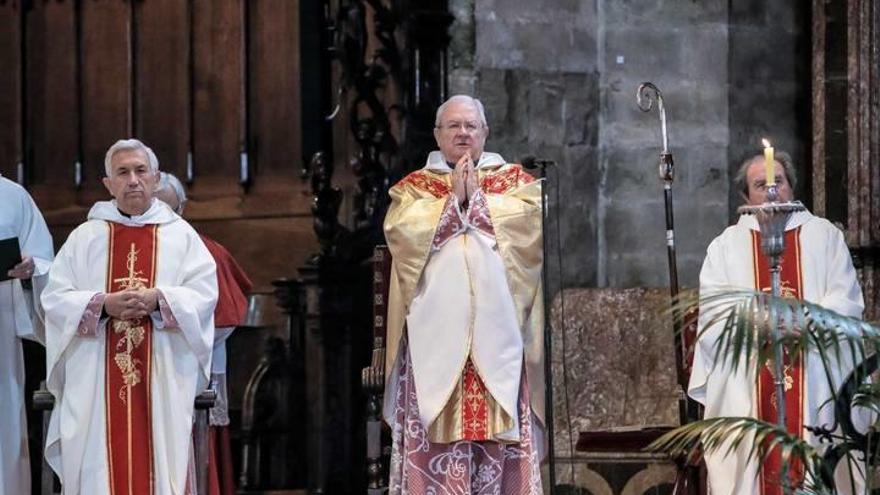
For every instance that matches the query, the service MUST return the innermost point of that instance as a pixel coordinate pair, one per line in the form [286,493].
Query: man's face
[131,181]
[756,178]
[460,131]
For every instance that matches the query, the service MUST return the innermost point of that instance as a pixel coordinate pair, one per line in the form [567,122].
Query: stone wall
[558,79]
[769,90]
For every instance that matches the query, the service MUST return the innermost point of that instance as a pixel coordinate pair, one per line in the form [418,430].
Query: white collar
[157,213]
[437,163]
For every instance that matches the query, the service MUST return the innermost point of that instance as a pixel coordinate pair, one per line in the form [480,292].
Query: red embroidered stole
[474,407]
[793,372]
[131,265]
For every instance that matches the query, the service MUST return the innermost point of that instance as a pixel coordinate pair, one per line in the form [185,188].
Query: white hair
[466,99]
[127,145]
[170,181]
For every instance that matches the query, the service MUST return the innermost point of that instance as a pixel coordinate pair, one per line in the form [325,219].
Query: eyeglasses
[469,127]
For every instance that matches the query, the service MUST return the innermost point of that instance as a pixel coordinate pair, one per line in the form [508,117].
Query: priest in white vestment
[816,267]
[464,388]
[129,334]
[19,319]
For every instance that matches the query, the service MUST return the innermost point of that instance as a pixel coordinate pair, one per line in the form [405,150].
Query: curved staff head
[645,96]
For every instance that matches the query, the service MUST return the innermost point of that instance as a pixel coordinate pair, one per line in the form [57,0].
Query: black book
[10,255]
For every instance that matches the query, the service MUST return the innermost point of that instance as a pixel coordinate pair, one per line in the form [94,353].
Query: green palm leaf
[728,434]
[742,324]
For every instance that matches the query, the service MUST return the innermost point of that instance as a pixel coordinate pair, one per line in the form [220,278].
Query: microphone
[529,162]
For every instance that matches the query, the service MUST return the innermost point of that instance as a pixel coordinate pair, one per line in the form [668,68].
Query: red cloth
[232,284]
[220,480]
[793,366]
[127,369]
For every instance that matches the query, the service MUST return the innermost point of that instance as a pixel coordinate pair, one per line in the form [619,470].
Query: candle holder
[772,217]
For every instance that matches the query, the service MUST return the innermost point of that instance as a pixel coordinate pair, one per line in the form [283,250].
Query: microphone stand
[688,410]
[541,165]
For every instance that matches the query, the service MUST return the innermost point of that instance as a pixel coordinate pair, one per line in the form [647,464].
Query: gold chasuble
[513,201]
[791,278]
[132,265]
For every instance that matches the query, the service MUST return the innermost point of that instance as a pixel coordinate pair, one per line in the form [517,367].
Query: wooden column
[162,74]
[10,89]
[52,102]
[846,131]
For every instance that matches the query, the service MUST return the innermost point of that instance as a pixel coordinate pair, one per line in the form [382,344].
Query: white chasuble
[19,318]
[97,386]
[478,320]
[825,276]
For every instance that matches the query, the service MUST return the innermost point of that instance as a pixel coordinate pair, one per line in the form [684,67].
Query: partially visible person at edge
[816,267]
[20,318]
[464,363]
[129,333]
[233,286]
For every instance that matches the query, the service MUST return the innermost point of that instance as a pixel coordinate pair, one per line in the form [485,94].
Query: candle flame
[766,143]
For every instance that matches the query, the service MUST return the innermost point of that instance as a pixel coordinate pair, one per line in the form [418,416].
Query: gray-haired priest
[465,383]
[129,333]
[816,267]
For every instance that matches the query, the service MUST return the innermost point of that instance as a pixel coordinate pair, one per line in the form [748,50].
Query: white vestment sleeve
[192,302]
[64,305]
[35,241]
[842,293]
[713,277]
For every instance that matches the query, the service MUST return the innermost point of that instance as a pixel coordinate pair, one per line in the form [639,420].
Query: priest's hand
[23,270]
[132,303]
[459,179]
[471,182]
[150,299]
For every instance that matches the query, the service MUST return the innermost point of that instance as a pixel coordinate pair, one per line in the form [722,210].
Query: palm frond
[739,322]
[727,434]
[743,328]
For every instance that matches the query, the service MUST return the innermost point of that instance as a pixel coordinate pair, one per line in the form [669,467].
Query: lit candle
[769,163]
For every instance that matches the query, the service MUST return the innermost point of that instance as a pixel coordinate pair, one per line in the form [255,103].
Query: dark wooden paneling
[50,66]
[162,80]
[106,82]
[217,120]
[10,88]
[274,89]
[266,248]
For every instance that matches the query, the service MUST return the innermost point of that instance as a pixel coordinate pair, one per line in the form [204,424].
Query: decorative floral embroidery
[475,408]
[451,224]
[478,214]
[168,319]
[422,181]
[459,468]
[88,323]
[504,181]
[129,367]
[132,330]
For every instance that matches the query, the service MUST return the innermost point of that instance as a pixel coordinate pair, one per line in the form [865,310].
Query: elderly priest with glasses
[464,391]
